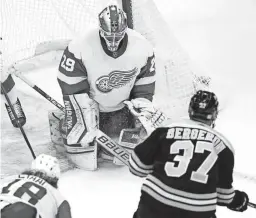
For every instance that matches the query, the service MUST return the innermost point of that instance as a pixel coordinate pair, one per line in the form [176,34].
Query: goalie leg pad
[81,119]
[82,157]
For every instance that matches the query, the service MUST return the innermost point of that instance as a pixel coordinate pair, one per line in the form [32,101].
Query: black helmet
[203,106]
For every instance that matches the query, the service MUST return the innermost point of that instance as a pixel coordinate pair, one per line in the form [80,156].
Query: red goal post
[35,32]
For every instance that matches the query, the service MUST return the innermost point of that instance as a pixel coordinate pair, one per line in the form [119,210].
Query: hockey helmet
[113,26]
[204,106]
[46,164]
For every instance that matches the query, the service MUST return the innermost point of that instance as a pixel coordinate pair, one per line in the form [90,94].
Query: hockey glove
[81,118]
[240,202]
[150,116]
[21,118]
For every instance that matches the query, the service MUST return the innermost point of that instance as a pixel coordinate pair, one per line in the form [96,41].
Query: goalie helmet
[46,164]
[113,26]
[204,107]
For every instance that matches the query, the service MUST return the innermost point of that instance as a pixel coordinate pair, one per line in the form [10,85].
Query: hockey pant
[19,210]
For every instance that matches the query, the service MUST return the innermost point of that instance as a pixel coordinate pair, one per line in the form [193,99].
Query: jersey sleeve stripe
[166,188]
[135,169]
[225,191]
[136,173]
[145,80]
[172,201]
[143,91]
[81,87]
[71,80]
[224,201]
[182,199]
[138,162]
[225,196]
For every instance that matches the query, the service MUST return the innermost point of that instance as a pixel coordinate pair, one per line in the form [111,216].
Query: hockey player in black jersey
[189,167]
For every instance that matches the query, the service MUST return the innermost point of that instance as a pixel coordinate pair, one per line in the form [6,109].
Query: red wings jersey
[34,191]
[109,78]
[188,165]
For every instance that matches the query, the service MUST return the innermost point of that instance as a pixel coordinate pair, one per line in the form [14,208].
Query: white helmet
[47,164]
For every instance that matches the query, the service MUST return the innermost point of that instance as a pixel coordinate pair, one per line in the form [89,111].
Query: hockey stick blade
[112,147]
[252,205]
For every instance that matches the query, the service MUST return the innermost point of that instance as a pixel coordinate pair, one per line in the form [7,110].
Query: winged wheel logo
[116,79]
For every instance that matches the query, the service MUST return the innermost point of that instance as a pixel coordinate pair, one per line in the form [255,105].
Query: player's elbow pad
[81,116]
[64,210]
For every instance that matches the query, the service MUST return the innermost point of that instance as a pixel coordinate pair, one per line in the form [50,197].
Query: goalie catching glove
[81,119]
[149,116]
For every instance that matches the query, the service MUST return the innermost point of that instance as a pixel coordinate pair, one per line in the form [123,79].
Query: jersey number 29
[67,63]
[200,175]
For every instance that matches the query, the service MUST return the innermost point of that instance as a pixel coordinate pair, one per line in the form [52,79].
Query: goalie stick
[101,138]
[252,205]
[16,118]
[36,88]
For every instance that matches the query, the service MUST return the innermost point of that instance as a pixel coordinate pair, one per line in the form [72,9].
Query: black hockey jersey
[189,168]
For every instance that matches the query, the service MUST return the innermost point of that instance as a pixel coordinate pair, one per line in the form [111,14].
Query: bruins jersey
[188,167]
[107,77]
[35,192]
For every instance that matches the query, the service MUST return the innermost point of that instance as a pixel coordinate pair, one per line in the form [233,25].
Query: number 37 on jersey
[184,152]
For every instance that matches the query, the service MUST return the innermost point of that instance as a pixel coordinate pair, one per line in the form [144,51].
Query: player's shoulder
[187,123]
[59,198]
[7,180]
[136,38]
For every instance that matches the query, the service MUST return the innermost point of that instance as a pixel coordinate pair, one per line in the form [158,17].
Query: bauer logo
[116,79]
[113,148]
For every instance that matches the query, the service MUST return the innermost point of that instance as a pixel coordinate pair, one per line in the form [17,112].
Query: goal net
[34,27]
[34,32]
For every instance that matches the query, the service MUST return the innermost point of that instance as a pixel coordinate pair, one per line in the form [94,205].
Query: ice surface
[220,37]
